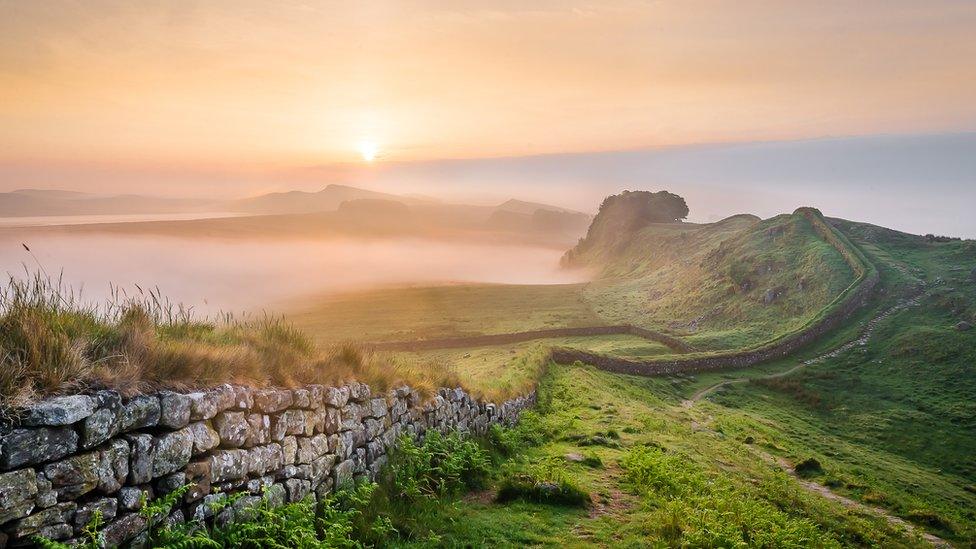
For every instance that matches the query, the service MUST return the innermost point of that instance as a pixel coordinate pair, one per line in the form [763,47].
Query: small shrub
[593,461]
[598,440]
[527,487]
[874,498]
[809,467]
[833,482]
[440,466]
[929,518]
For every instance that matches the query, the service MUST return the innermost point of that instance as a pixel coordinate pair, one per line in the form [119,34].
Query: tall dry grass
[52,341]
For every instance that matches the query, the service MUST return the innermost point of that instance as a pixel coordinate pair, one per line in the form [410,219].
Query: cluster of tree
[622,215]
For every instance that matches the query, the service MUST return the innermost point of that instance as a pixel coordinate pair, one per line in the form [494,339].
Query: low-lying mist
[212,275]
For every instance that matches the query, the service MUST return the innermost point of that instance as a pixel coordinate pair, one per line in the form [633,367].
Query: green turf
[667,478]
[442,311]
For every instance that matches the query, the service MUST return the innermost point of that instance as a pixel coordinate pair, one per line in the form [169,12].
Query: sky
[233,98]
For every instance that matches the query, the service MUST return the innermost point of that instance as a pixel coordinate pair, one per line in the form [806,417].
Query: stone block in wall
[46,495]
[316,396]
[358,392]
[123,529]
[342,473]
[374,450]
[18,490]
[243,398]
[171,452]
[297,489]
[330,420]
[139,412]
[20,447]
[174,410]
[295,422]
[103,424]
[232,428]
[301,398]
[205,438]
[376,408]
[206,509]
[131,498]
[373,428]
[390,436]
[335,397]
[74,476]
[140,457]
[351,416]
[358,437]
[321,468]
[257,486]
[58,411]
[398,408]
[276,495]
[113,466]
[197,474]
[262,460]
[245,508]
[324,488]
[286,472]
[289,449]
[166,484]
[359,461]
[228,465]
[259,430]
[226,396]
[107,507]
[41,522]
[175,519]
[272,400]
[311,448]
[203,406]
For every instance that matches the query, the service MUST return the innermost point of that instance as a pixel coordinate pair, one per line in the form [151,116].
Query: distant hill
[529,208]
[326,200]
[52,193]
[53,202]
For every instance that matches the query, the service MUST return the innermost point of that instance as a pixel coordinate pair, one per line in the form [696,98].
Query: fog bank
[214,275]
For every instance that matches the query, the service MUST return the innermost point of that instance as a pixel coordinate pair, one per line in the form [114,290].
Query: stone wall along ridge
[68,457]
[845,305]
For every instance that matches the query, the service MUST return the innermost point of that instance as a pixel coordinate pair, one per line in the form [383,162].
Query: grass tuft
[53,342]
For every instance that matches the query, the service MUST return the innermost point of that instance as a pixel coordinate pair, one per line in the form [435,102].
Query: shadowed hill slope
[722,285]
[800,330]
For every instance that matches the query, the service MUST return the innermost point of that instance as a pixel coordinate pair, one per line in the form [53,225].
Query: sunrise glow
[368,150]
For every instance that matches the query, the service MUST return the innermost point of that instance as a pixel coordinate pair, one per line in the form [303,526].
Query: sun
[368,150]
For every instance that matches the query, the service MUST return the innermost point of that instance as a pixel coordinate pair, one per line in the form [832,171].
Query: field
[865,438]
[889,421]
[441,311]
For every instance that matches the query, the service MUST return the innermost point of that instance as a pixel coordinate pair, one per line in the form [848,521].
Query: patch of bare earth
[484,497]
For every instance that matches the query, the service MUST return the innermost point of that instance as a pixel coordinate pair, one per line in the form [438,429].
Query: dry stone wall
[852,300]
[68,457]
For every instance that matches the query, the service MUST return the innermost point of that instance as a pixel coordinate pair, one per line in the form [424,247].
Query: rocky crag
[66,458]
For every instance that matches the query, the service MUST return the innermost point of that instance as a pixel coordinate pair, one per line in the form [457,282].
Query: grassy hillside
[721,286]
[441,311]
[892,420]
[653,475]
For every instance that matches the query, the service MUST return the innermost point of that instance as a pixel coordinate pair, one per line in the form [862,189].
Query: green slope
[725,285]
